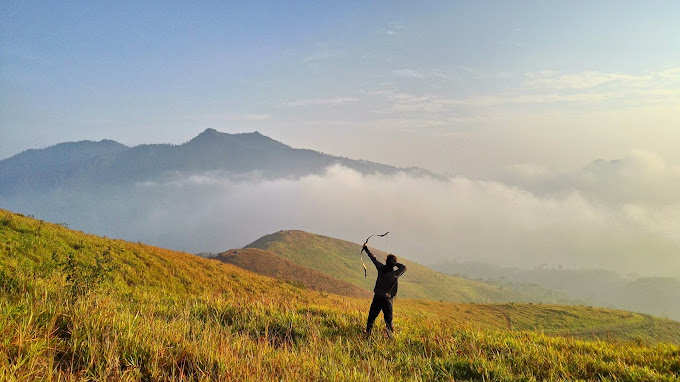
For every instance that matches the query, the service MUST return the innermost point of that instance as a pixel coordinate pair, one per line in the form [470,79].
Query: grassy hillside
[341,257]
[80,307]
[584,322]
[269,264]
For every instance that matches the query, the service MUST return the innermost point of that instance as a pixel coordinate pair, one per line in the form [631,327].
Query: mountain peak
[209,132]
[209,135]
[253,139]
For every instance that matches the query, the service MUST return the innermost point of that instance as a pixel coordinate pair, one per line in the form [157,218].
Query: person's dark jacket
[387,283]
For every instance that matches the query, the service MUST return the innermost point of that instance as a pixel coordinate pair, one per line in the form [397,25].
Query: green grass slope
[270,264]
[573,321]
[340,257]
[77,307]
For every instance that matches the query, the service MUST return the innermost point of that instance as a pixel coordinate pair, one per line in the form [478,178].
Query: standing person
[385,289]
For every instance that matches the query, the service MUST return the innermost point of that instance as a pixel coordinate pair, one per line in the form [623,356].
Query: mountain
[652,295]
[137,192]
[82,307]
[270,264]
[107,163]
[341,259]
[46,168]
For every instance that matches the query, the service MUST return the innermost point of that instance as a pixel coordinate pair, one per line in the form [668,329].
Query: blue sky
[516,98]
[462,87]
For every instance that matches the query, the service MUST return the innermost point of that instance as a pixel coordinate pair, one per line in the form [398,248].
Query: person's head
[391,260]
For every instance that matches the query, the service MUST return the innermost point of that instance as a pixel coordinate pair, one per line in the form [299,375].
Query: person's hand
[365,247]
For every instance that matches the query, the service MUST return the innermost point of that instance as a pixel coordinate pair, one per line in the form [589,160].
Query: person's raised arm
[375,261]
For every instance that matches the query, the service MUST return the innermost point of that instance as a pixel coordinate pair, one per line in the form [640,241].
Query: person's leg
[373,314]
[387,309]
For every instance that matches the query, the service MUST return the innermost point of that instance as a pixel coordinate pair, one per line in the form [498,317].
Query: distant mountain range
[90,164]
[652,295]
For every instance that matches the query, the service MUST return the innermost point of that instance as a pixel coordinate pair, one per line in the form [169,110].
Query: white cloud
[663,222]
[641,178]
[464,218]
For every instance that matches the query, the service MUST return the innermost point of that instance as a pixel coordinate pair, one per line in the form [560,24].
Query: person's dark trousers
[378,304]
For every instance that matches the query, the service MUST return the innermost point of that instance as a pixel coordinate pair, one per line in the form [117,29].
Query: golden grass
[163,315]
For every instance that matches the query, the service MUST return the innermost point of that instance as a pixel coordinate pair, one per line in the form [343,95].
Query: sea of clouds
[622,215]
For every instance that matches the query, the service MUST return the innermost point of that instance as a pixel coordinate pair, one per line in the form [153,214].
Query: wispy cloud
[543,87]
[392,29]
[322,101]
[582,80]
[478,74]
[673,73]
[593,79]
[402,102]
[420,74]
[660,87]
[407,73]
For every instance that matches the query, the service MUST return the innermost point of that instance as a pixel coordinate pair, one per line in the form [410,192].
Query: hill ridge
[322,253]
[270,264]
